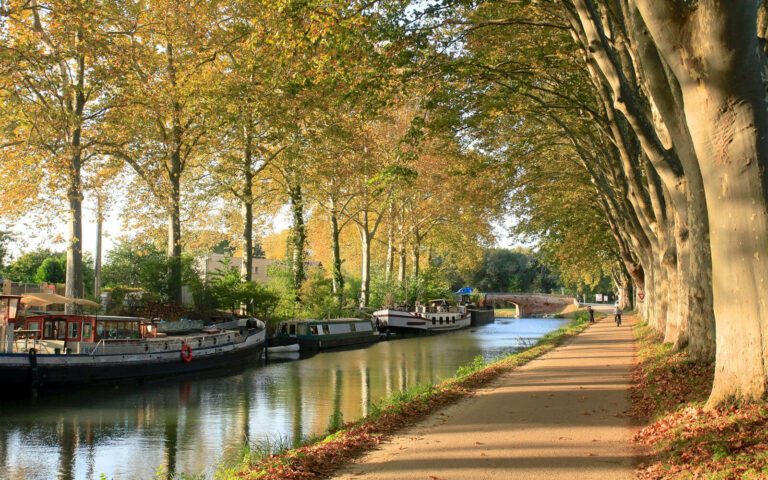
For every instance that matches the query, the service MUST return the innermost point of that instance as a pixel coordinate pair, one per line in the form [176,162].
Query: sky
[32,236]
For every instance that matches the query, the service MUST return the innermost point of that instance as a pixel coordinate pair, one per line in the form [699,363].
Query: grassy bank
[322,456]
[686,440]
[505,313]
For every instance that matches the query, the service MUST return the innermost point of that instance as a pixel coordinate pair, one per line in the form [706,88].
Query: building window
[255,269]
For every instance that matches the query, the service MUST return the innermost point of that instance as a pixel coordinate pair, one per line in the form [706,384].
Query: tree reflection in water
[188,425]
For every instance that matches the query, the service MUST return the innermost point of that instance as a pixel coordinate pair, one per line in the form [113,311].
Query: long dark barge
[57,349]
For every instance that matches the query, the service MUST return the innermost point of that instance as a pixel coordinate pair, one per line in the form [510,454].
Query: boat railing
[101,343]
[111,347]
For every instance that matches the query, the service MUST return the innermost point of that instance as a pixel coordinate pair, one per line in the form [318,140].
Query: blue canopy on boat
[464,291]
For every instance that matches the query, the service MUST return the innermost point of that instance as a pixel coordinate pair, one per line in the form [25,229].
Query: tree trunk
[74,275]
[174,169]
[401,263]
[415,253]
[715,54]
[415,261]
[299,236]
[390,253]
[97,260]
[246,265]
[336,274]
[365,243]
[174,245]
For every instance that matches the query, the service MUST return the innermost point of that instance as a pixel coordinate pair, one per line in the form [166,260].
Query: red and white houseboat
[57,349]
[436,317]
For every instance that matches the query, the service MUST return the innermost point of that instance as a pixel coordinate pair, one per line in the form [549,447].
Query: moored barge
[57,349]
[436,317]
[314,334]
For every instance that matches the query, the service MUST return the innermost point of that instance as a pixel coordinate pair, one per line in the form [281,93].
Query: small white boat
[284,348]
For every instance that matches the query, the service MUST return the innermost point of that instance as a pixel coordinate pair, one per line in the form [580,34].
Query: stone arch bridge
[530,303]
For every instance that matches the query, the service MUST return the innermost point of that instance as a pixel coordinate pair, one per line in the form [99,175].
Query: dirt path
[558,417]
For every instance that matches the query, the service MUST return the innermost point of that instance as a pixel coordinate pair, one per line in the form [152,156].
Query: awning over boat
[45,299]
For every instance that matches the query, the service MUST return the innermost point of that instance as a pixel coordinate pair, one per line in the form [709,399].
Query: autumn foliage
[685,440]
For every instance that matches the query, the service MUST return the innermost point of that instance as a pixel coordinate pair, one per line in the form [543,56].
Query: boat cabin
[336,326]
[85,328]
[439,305]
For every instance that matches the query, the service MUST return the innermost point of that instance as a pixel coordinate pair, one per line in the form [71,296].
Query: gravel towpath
[561,416]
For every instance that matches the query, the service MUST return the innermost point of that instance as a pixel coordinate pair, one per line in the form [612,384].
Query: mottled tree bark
[246,202]
[97,259]
[299,236]
[336,275]
[714,51]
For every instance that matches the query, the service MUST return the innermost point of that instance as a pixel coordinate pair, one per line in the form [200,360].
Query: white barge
[436,317]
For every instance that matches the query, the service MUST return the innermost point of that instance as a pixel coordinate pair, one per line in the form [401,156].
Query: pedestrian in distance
[617,316]
[591,314]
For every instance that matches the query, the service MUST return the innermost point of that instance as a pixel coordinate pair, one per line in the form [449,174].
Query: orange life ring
[186,353]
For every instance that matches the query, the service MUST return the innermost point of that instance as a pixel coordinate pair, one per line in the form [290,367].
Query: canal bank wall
[327,453]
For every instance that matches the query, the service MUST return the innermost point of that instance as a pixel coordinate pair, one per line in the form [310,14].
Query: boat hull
[327,343]
[50,370]
[481,316]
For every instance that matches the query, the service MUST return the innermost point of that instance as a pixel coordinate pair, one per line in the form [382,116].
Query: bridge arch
[531,303]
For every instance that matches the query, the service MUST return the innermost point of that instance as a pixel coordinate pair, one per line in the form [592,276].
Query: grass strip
[322,456]
[685,439]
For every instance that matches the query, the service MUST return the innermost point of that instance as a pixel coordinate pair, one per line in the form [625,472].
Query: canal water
[188,425]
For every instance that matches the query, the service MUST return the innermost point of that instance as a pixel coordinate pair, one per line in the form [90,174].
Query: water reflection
[189,425]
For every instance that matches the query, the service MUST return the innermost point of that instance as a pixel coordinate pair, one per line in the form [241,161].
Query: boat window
[72,330]
[61,329]
[303,329]
[352,327]
[433,320]
[86,331]
[313,329]
[326,330]
[48,329]
[292,329]
[111,330]
[99,330]
[364,327]
[32,326]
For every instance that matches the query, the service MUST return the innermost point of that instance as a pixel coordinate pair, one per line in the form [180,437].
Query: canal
[188,425]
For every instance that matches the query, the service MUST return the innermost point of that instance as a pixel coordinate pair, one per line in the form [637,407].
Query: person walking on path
[617,316]
[591,314]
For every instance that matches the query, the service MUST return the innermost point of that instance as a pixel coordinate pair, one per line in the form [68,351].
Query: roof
[44,299]
[332,320]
